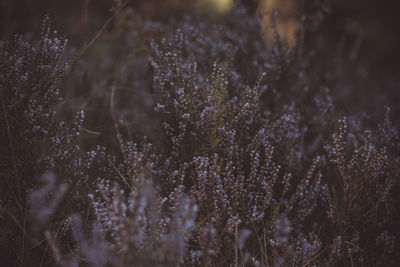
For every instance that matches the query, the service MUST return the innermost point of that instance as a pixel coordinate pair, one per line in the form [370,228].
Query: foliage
[202,143]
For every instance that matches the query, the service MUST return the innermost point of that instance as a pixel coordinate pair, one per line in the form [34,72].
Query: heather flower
[213,147]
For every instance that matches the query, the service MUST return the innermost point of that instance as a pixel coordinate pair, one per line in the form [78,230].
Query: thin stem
[10,142]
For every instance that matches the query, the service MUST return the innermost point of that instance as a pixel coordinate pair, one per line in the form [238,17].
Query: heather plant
[195,142]
[30,72]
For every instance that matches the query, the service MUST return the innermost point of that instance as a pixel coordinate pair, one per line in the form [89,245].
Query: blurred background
[375,22]
[364,33]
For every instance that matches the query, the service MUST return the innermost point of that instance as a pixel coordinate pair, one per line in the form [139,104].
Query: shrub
[243,155]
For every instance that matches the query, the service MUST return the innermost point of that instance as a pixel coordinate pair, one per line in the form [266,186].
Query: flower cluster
[201,144]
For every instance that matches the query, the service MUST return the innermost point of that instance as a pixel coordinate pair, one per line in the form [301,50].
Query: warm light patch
[219,6]
[286,23]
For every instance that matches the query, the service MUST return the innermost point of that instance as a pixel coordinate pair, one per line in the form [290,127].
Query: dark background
[366,30]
